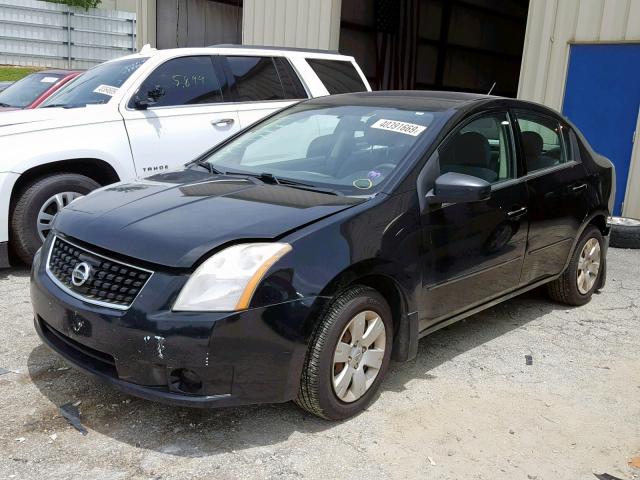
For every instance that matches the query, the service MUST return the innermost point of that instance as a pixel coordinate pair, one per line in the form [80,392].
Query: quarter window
[543,141]
[338,76]
[182,81]
[481,148]
[256,79]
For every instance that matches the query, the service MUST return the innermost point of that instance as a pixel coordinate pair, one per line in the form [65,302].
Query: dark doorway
[437,44]
[198,23]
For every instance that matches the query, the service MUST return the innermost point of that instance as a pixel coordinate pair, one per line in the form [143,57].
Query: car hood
[176,218]
[38,119]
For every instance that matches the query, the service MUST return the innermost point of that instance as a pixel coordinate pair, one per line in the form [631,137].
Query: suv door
[189,113]
[474,251]
[558,192]
[261,85]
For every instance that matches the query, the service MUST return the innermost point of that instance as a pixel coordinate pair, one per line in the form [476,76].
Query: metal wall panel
[45,34]
[292,23]
[552,26]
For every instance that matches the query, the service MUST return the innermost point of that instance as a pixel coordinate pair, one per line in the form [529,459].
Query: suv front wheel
[38,203]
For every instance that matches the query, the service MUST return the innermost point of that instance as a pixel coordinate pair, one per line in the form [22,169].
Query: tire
[565,289]
[25,237]
[317,393]
[625,232]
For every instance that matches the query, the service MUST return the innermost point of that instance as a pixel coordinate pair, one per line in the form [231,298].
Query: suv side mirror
[153,96]
[458,188]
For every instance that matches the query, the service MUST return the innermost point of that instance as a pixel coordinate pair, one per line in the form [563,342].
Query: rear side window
[543,141]
[182,81]
[338,76]
[290,81]
[256,79]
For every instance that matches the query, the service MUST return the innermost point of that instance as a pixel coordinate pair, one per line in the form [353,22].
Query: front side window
[351,148]
[338,76]
[481,148]
[95,86]
[542,141]
[25,91]
[256,79]
[182,81]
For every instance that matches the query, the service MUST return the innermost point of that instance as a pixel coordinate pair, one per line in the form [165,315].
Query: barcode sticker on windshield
[401,127]
[49,80]
[106,90]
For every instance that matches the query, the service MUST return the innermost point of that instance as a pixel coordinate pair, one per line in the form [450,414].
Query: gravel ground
[467,408]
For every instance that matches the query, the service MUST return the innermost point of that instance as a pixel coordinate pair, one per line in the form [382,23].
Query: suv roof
[277,49]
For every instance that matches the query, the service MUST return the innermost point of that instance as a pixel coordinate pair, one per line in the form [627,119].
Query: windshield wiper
[2,104]
[209,166]
[270,178]
[65,105]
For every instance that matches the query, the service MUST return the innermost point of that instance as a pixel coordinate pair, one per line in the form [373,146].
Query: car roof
[406,99]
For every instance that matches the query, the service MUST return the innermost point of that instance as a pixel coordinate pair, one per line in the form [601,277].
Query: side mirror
[458,188]
[153,96]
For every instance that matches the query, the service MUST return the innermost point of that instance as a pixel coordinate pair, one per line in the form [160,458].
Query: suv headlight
[228,280]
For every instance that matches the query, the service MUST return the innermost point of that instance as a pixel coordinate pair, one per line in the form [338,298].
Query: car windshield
[95,86]
[349,149]
[25,91]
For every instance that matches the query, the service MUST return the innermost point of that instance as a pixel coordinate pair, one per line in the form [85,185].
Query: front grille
[110,283]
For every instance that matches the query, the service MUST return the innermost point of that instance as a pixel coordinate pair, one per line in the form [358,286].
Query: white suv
[143,114]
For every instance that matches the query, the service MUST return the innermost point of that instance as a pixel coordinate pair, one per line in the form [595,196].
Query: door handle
[224,122]
[513,214]
[579,188]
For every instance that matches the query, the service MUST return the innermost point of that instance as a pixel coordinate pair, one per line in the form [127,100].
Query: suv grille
[106,282]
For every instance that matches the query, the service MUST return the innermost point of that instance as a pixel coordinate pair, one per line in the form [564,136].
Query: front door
[473,252]
[189,114]
[602,96]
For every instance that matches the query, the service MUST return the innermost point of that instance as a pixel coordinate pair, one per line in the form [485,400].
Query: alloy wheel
[588,266]
[50,209]
[358,356]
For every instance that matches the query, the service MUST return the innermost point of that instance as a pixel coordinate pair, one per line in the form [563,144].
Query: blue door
[602,97]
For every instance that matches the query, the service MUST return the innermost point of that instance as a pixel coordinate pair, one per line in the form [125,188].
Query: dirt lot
[467,408]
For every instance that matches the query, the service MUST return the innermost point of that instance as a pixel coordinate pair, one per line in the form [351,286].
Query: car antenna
[491,89]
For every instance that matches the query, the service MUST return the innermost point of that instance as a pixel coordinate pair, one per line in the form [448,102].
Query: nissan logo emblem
[81,274]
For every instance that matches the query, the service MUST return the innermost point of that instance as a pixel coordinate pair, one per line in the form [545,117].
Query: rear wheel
[582,277]
[36,206]
[348,355]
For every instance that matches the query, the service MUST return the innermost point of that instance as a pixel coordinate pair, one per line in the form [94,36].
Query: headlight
[228,280]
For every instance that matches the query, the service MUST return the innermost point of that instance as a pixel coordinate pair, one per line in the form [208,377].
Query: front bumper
[254,356]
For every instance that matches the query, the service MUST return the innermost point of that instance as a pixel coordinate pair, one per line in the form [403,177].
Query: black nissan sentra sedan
[294,261]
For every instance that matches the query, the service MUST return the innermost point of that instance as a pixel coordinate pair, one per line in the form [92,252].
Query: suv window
[291,83]
[338,76]
[481,148]
[182,81]
[542,141]
[256,79]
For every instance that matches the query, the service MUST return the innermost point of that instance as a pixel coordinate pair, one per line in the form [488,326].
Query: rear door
[261,85]
[473,252]
[192,113]
[558,191]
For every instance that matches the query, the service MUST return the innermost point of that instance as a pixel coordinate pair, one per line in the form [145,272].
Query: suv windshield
[24,92]
[351,149]
[95,86]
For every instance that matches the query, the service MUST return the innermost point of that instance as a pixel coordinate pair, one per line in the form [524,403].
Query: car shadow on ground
[195,433]
[14,272]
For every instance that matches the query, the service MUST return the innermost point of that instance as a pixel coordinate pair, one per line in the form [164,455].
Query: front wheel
[348,355]
[36,206]
[582,277]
